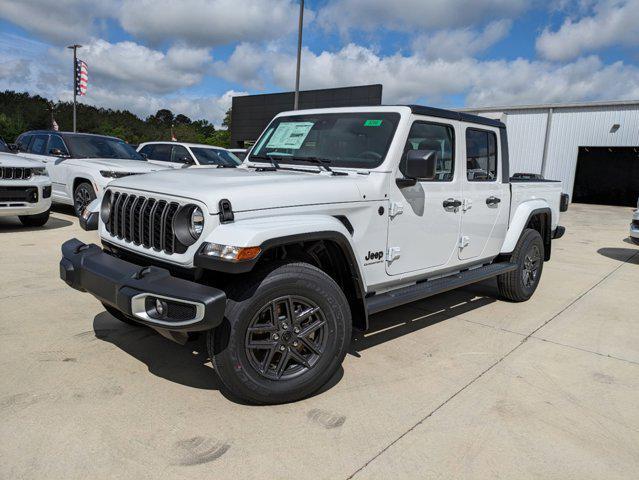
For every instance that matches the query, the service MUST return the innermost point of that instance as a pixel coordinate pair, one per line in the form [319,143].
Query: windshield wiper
[320,162]
[268,158]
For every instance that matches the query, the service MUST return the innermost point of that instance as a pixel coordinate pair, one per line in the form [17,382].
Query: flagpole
[299,57]
[75,47]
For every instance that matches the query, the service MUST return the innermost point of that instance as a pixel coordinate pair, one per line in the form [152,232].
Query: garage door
[607,176]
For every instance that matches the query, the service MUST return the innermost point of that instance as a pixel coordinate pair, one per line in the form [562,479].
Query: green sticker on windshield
[372,123]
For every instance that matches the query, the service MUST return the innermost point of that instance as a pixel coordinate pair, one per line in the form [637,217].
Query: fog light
[160,307]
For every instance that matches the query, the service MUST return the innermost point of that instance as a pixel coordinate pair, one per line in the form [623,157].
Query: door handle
[451,203]
[493,200]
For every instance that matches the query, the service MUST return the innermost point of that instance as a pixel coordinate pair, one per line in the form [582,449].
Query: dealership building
[593,148]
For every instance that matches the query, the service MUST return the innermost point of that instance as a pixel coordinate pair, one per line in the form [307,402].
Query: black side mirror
[420,165]
[13,147]
[57,152]
[144,155]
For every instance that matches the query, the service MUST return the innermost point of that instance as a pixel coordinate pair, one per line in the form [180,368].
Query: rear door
[485,196]
[160,154]
[423,231]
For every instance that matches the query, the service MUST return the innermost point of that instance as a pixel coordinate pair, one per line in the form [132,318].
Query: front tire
[83,195]
[520,284]
[286,332]
[35,220]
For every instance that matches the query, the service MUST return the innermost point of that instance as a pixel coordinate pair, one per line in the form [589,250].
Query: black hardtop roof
[48,132]
[453,115]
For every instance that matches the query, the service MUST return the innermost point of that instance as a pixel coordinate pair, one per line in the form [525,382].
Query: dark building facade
[252,113]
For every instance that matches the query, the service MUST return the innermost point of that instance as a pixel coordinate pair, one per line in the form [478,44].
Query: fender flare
[267,233]
[520,219]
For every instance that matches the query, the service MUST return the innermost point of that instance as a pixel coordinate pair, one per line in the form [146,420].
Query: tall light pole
[75,47]
[299,56]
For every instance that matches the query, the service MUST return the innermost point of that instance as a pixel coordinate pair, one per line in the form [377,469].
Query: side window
[147,150]
[481,155]
[437,138]
[39,144]
[161,152]
[180,154]
[23,142]
[56,143]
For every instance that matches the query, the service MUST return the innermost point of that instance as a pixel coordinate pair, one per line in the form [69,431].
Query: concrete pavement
[458,386]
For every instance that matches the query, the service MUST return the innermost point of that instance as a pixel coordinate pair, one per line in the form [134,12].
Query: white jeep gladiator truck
[336,214]
[25,190]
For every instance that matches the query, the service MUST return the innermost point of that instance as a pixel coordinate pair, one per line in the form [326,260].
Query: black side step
[428,288]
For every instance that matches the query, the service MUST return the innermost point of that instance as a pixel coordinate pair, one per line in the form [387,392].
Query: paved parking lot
[459,386]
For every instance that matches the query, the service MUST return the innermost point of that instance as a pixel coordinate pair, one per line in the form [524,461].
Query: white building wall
[591,127]
[571,128]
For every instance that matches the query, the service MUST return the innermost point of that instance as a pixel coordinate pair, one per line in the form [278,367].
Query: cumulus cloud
[59,21]
[409,14]
[460,43]
[128,65]
[409,78]
[209,22]
[614,22]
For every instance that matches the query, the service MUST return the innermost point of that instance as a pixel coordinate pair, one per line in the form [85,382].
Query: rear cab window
[481,155]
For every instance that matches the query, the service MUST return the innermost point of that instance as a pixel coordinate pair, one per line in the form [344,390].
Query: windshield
[94,146]
[212,156]
[3,146]
[355,140]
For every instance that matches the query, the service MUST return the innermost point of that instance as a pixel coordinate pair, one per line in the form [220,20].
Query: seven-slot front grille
[144,221]
[15,173]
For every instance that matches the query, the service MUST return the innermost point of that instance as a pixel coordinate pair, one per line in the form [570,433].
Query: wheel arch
[329,247]
[536,215]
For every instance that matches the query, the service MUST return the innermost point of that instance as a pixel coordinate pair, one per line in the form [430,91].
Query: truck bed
[522,190]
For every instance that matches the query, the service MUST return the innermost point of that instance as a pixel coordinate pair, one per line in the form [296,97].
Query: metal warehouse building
[593,148]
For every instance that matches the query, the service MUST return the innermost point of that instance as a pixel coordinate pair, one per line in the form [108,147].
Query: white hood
[12,160]
[117,164]
[248,189]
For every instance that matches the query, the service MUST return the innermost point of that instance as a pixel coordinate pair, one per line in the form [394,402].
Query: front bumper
[133,289]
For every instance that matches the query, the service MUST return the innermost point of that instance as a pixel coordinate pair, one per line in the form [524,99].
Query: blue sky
[193,56]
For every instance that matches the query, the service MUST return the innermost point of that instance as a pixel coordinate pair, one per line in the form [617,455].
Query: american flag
[81,77]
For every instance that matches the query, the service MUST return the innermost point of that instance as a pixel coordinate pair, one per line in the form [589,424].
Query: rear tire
[35,220]
[520,284]
[83,195]
[120,316]
[285,333]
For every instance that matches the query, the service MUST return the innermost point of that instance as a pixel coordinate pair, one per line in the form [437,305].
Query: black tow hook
[142,273]
[80,248]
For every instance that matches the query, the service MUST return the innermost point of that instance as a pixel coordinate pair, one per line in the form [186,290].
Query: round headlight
[196,223]
[105,208]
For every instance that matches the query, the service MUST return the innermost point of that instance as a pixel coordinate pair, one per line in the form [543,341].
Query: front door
[424,225]
[485,197]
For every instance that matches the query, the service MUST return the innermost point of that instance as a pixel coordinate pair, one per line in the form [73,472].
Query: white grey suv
[182,155]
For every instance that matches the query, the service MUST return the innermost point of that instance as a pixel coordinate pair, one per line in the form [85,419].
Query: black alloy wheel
[82,197]
[286,337]
[530,270]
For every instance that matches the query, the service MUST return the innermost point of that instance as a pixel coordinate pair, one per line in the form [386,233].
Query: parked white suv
[81,165]
[25,190]
[634,226]
[181,155]
[335,215]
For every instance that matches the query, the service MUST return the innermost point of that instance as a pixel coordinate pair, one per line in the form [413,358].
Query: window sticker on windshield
[290,135]
[372,123]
